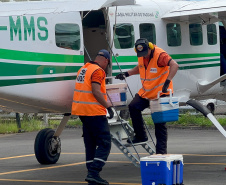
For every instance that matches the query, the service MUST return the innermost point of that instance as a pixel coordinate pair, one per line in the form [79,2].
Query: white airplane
[44,43]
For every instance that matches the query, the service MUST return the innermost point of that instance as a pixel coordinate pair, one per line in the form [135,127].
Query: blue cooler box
[162,170]
[165,109]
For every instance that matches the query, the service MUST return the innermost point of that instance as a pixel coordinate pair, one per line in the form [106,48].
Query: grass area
[10,126]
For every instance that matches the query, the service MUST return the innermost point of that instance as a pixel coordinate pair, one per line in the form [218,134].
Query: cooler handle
[174,172]
[157,163]
[178,172]
[171,99]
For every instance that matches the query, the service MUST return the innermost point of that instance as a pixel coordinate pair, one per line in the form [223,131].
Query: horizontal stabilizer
[203,86]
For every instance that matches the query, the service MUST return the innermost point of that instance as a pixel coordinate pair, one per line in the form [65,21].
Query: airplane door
[94,29]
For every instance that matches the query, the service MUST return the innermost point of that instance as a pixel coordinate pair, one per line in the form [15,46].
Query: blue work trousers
[97,140]
[137,105]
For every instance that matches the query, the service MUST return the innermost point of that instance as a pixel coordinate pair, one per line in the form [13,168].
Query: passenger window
[148,31]
[212,34]
[124,36]
[196,37]
[173,34]
[67,36]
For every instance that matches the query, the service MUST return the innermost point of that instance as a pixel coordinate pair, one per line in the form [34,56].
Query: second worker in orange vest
[90,104]
[156,69]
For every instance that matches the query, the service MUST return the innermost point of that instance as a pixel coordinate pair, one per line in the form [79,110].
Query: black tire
[211,108]
[43,150]
[124,114]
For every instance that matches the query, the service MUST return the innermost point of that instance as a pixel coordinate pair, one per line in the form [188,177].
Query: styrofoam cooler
[117,94]
[165,109]
[162,169]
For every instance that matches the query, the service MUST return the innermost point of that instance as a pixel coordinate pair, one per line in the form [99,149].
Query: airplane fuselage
[42,49]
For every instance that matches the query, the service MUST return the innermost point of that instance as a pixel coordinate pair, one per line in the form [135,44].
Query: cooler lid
[166,157]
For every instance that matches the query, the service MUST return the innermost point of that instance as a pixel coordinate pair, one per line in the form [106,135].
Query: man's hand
[165,86]
[122,76]
[110,112]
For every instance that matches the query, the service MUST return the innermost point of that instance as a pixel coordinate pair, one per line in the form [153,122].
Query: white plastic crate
[117,94]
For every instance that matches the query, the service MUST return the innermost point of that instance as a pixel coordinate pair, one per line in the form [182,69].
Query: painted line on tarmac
[65,182]
[47,168]
[53,167]
[15,157]
[31,155]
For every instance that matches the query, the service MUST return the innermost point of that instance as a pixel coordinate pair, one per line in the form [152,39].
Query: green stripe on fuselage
[39,57]
[12,69]
[34,80]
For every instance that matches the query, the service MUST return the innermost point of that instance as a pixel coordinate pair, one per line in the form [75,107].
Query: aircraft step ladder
[120,129]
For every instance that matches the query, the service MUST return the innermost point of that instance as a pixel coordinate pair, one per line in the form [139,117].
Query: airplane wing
[59,6]
[205,12]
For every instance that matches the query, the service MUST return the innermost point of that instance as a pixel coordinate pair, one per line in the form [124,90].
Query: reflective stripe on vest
[84,103]
[153,77]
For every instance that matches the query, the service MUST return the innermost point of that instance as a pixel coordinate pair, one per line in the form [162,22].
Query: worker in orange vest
[90,104]
[156,69]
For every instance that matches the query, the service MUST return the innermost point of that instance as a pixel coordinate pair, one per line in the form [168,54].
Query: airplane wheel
[47,148]
[210,106]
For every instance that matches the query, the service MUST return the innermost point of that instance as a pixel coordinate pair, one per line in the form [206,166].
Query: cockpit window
[123,36]
[196,35]
[67,36]
[148,31]
[173,34]
[212,34]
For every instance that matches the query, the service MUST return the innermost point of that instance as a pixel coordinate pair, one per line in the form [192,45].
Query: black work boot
[92,183]
[95,178]
[138,139]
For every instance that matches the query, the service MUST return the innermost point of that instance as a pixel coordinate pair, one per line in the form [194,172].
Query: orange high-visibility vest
[84,102]
[154,77]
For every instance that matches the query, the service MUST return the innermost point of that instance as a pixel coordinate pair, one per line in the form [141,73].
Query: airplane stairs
[120,131]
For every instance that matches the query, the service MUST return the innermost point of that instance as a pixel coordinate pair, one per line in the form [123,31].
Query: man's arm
[134,71]
[173,69]
[99,95]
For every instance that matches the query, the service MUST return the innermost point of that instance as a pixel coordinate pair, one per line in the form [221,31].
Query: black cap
[141,46]
[104,53]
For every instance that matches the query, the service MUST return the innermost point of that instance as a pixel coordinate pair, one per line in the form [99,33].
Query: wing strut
[203,86]
[201,108]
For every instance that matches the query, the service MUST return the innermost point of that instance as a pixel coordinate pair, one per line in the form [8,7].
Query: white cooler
[165,109]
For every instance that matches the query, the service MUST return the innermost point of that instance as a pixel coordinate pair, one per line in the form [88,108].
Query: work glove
[165,86]
[122,76]
[110,112]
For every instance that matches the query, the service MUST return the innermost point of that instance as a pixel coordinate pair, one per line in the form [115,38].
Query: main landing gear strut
[47,143]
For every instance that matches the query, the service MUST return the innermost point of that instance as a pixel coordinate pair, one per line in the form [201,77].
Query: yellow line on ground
[31,155]
[65,182]
[47,168]
[14,157]
[52,167]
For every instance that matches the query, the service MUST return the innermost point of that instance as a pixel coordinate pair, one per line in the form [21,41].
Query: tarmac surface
[204,153]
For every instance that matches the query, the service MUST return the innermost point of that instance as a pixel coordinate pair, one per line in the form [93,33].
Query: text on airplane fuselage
[22,27]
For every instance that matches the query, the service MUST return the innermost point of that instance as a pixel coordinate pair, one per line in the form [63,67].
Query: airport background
[11,122]
[216,106]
